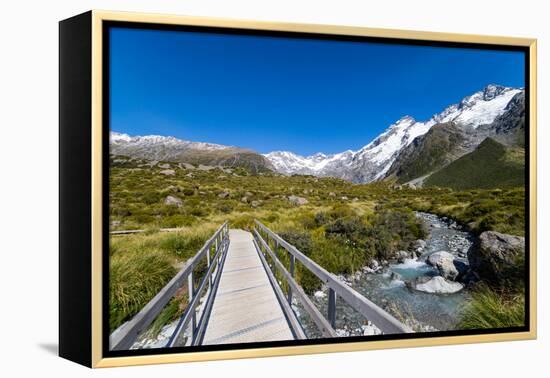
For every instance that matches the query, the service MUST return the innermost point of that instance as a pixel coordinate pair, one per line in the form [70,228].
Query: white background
[29,188]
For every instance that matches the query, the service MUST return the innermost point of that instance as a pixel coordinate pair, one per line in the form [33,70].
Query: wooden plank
[245,308]
[205,316]
[381,319]
[286,306]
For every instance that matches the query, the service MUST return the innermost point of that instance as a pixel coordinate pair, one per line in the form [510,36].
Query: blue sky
[300,95]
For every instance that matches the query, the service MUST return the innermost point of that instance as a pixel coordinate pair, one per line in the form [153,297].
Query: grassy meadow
[343,226]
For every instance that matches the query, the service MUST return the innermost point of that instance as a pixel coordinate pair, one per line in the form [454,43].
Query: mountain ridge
[167,148]
[406,150]
[373,161]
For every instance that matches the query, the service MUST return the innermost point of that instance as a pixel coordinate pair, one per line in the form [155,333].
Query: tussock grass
[135,278]
[173,310]
[141,264]
[491,309]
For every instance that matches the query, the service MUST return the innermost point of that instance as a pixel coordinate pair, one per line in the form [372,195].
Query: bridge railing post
[208,262]
[292,264]
[191,290]
[332,307]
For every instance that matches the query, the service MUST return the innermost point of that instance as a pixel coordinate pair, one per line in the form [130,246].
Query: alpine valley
[428,220]
[407,152]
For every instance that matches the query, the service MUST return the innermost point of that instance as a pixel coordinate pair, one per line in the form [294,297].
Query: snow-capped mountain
[291,163]
[124,144]
[475,118]
[163,148]
[373,161]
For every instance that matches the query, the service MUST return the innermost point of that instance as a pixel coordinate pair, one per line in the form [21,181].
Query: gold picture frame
[95,22]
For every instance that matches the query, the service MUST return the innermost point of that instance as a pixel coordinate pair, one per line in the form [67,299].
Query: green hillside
[490,165]
[438,147]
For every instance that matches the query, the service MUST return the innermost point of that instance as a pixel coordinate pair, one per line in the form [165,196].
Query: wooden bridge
[245,294]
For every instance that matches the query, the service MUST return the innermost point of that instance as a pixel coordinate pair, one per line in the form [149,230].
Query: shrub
[177,220]
[301,240]
[321,218]
[225,208]
[391,231]
[340,211]
[198,211]
[150,198]
[306,220]
[244,221]
[144,218]
[188,191]
[272,217]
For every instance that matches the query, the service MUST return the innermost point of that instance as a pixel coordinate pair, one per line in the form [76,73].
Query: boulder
[186,166]
[164,166]
[202,167]
[445,263]
[402,255]
[374,265]
[319,294]
[367,269]
[419,245]
[370,329]
[435,285]
[224,194]
[255,203]
[298,201]
[173,201]
[499,257]
[168,172]
[395,276]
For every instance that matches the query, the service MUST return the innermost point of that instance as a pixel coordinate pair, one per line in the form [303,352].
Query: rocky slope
[161,148]
[446,142]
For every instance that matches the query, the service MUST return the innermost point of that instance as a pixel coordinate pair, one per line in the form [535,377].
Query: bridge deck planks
[245,308]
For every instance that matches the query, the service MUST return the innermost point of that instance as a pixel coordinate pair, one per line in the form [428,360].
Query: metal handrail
[318,318]
[380,318]
[125,335]
[190,313]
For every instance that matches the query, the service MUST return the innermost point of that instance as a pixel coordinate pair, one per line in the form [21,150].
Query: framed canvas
[235,189]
